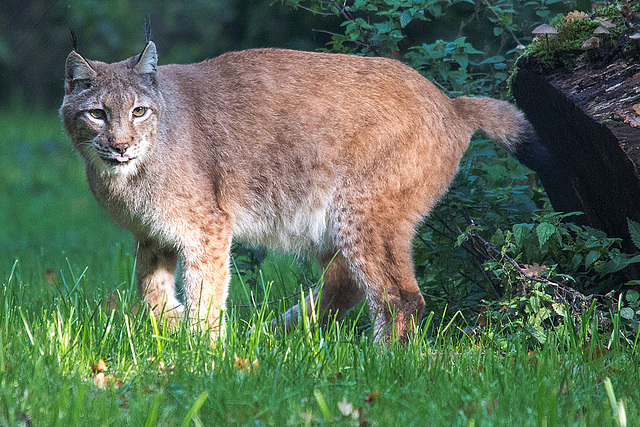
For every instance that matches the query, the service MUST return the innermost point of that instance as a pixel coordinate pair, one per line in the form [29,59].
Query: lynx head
[112,112]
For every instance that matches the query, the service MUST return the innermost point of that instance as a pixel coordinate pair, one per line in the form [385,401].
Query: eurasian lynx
[334,156]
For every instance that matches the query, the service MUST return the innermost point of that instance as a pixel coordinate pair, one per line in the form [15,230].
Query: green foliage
[634,232]
[585,253]
[447,264]
[559,266]
[373,27]
[542,8]
[571,35]
[629,307]
[384,28]
[448,64]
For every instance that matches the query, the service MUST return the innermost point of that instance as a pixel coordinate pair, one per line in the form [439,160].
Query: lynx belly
[303,227]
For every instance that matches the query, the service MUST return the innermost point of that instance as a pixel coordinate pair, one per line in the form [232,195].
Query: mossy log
[588,118]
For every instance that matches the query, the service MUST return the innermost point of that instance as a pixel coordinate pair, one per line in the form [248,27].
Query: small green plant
[551,269]
[448,64]
[630,309]
[380,28]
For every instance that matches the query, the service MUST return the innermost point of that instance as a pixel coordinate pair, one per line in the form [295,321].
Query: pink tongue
[122,159]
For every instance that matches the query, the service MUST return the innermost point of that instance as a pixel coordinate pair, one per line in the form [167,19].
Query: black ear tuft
[147,29]
[74,40]
[147,61]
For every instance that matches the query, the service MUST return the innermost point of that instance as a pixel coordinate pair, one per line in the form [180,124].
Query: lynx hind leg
[155,271]
[380,259]
[334,297]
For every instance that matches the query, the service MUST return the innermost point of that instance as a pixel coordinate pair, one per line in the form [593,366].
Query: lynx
[332,156]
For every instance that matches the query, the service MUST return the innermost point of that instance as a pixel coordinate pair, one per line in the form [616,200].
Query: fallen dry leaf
[244,365]
[605,22]
[363,420]
[531,180]
[50,276]
[634,118]
[492,404]
[100,380]
[117,300]
[237,362]
[575,15]
[113,302]
[372,396]
[598,351]
[533,359]
[337,377]
[531,270]
[99,367]
[627,13]
[345,407]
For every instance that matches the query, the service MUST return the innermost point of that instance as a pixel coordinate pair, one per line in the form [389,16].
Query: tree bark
[586,119]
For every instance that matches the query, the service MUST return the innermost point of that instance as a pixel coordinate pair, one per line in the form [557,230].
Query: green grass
[61,257]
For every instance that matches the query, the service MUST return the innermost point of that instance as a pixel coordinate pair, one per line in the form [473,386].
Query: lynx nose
[121,147]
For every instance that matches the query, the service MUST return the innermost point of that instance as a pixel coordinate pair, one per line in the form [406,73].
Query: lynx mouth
[117,160]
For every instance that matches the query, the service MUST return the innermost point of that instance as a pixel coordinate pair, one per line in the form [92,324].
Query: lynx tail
[500,120]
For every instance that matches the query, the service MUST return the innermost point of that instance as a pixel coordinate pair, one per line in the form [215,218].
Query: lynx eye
[139,111]
[97,114]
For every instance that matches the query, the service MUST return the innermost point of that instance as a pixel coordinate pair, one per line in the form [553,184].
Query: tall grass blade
[26,326]
[322,404]
[133,351]
[612,399]
[107,330]
[191,413]
[151,420]
[2,356]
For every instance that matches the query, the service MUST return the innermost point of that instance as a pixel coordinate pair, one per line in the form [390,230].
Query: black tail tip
[531,152]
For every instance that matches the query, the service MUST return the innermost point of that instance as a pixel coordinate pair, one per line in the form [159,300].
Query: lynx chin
[333,156]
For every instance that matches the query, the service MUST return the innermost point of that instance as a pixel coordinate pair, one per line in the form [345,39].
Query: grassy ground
[61,257]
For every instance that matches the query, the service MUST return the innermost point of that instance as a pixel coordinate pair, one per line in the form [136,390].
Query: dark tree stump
[585,118]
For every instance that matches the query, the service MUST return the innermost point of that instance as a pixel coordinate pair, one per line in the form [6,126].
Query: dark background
[34,35]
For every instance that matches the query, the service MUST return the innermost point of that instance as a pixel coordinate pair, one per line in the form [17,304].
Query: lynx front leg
[206,273]
[155,271]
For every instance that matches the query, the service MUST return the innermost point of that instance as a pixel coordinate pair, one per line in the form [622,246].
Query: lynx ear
[76,69]
[147,60]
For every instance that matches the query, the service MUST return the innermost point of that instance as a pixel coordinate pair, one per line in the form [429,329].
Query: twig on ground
[561,290]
